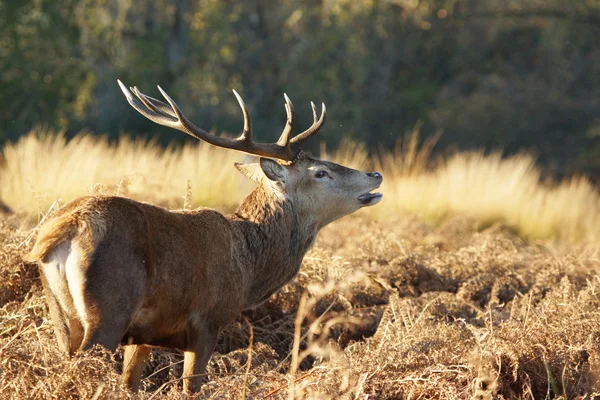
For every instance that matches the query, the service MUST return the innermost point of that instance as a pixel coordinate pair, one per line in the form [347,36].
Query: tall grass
[496,189]
[43,167]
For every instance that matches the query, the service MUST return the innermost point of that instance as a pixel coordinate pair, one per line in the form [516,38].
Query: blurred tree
[490,73]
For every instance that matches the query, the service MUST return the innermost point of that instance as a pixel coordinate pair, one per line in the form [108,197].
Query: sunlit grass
[496,189]
[43,167]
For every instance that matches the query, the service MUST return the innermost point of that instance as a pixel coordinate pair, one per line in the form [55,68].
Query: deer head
[321,190]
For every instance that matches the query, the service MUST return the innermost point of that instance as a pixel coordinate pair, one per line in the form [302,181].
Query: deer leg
[196,357]
[77,332]
[133,365]
[61,327]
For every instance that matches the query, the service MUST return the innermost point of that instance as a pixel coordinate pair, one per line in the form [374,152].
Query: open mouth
[370,198]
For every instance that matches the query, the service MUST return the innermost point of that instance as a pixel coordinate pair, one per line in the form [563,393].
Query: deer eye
[321,174]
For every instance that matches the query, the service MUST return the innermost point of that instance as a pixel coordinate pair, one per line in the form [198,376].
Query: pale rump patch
[54,271]
[76,280]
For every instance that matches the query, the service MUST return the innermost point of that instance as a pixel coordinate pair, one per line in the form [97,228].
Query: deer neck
[276,237]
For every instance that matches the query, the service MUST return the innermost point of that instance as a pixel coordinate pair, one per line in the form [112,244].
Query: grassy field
[43,170]
[472,279]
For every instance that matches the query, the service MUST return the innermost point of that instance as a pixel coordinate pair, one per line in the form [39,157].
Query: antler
[286,148]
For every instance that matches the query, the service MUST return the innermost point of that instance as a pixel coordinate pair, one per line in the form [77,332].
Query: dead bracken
[406,311]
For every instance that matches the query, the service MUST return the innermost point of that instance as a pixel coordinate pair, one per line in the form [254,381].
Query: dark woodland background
[493,74]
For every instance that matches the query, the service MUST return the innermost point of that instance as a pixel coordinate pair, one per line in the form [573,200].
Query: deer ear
[250,171]
[272,169]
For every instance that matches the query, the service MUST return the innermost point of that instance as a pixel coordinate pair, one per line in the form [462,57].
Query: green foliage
[489,73]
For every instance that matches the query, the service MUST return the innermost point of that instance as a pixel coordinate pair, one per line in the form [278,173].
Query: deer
[121,272]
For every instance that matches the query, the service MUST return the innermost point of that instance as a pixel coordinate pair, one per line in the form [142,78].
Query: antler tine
[155,105]
[149,113]
[247,133]
[314,110]
[284,139]
[317,124]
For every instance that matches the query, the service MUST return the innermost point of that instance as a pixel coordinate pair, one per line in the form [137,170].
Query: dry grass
[496,189]
[389,310]
[43,167]
[394,308]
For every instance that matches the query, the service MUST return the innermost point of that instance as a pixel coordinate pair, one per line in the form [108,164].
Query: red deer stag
[117,271]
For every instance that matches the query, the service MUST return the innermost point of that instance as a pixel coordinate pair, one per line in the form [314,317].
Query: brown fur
[120,271]
[72,219]
[51,235]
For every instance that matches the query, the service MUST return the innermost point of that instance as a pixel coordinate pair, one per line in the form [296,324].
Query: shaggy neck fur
[275,239]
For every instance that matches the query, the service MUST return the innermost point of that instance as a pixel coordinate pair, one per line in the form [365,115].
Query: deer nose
[375,175]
